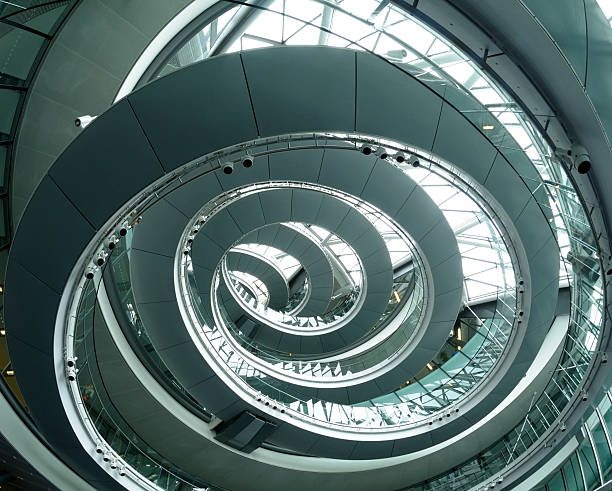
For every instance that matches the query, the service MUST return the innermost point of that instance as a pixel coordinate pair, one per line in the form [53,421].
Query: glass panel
[601,446]
[589,465]
[9,99]
[43,18]
[572,474]
[555,483]
[18,50]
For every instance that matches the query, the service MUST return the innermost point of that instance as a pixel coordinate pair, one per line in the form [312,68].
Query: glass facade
[590,465]
[26,30]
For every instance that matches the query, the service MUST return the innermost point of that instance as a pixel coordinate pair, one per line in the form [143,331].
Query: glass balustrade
[100,414]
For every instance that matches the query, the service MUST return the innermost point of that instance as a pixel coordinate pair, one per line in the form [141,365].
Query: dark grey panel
[221,229]
[325,84]
[299,165]
[205,114]
[152,277]
[462,144]
[503,182]
[149,236]
[331,213]
[195,194]
[305,205]
[206,253]
[50,219]
[186,363]
[276,205]
[358,232]
[107,165]
[394,105]
[33,326]
[439,244]
[533,228]
[346,170]
[217,395]
[417,215]
[311,344]
[372,450]
[388,187]
[164,324]
[247,213]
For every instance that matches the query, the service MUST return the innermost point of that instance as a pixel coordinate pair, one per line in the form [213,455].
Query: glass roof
[606,7]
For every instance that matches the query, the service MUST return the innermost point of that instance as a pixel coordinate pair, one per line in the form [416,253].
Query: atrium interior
[305,244]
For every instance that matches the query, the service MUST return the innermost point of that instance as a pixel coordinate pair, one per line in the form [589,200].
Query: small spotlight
[414,161]
[71,373]
[113,464]
[123,231]
[604,357]
[100,260]
[107,457]
[89,274]
[228,168]
[71,362]
[584,167]
[582,160]
[400,157]
[585,395]
[247,161]
[563,427]
[122,471]
[366,149]
[99,448]
[381,153]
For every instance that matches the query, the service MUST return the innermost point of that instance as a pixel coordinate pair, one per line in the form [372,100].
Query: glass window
[18,49]
[601,446]
[572,475]
[589,465]
[556,482]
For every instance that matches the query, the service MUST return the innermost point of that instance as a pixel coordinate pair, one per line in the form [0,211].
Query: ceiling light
[488,127]
[396,296]
[429,366]
[2,332]
[10,372]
